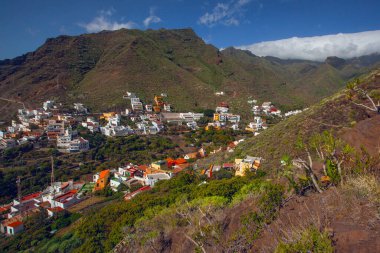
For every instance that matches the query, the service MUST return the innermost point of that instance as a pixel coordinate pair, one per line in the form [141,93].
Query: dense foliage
[102,229]
[39,229]
[104,153]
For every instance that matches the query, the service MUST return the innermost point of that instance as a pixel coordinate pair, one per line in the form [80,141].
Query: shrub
[309,240]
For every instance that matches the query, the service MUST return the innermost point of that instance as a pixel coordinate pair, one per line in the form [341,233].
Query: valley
[155,141]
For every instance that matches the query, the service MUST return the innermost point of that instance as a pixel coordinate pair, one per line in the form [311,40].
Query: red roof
[132,194]
[104,173]
[170,160]
[31,196]
[56,209]
[180,161]
[223,104]
[132,170]
[5,208]
[15,224]
[143,167]
[231,145]
[63,198]
[273,109]
[228,165]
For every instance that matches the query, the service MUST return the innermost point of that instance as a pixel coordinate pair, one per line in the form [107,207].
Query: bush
[309,240]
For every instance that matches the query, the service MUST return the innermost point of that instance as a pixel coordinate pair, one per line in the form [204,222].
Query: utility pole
[52,175]
[18,182]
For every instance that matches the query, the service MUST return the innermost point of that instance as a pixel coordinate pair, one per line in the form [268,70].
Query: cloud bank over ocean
[317,48]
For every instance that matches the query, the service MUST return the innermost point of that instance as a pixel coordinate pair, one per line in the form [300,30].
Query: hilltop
[97,69]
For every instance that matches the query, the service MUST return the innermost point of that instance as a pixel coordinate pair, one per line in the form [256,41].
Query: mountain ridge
[81,68]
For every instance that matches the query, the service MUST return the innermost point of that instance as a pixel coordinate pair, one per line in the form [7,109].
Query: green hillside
[98,69]
[262,211]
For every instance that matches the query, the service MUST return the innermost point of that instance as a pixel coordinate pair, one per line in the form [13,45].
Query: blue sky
[25,25]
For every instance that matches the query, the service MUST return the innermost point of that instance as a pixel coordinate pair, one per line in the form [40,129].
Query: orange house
[107,115]
[101,180]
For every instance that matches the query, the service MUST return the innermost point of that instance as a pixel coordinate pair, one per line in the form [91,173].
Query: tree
[332,152]
[354,90]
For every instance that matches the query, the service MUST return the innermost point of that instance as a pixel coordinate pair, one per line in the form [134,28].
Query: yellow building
[101,180]
[108,115]
[159,165]
[216,116]
[244,165]
[158,100]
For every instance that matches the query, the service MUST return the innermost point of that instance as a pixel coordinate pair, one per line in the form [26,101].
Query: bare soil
[352,222]
[365,133]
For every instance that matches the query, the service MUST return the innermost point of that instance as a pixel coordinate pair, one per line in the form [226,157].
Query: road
[13,101]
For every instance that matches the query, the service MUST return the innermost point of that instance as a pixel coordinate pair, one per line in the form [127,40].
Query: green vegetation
[104,153]
[86,61]
[39,230]
[100,230]
[216,137]
[339,162]
[268,198]
[309,240]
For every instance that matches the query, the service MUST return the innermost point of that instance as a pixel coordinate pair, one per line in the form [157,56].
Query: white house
[48,104]
[15,227]
[114,183]
[234,118]
[257,123]
[148,108]
[65,200]
[151,179]
[167,107]
[80,108]
[221,109]
[78,145]
[137,106]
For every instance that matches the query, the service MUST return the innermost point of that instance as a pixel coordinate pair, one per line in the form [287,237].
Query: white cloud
[103,22]
[228,14]
[343,45]
[152,18]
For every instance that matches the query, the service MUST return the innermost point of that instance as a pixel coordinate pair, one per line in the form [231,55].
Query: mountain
[97,69]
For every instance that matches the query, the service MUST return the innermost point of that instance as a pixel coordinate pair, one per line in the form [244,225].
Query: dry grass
[86,203]
[364,186]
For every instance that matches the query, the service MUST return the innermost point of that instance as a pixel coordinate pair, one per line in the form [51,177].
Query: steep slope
[241,214]
[346,215]
[352,123]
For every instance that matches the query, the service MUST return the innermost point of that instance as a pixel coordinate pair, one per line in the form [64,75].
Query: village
[55,124]
[36,126]
[61,196]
